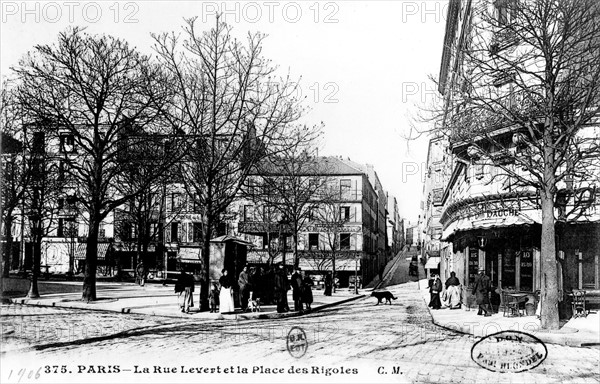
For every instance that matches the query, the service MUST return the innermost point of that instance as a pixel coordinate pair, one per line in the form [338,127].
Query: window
[345,186]
[312,214]
[175,202]
[67,143]
[39,142]
[183,233]
[345,213]
[61,170]
[248,213]
[345,241]
[61,228]
[505,11]
[153,229]
[174,232]
[66,227]
[197,233]
[313,241]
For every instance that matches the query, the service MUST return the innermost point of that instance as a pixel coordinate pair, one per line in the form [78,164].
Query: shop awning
[525,218]
[433,263]
[228,238]
[190,255]
[81,247]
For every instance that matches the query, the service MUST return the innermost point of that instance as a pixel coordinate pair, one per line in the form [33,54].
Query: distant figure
[256,283]
[213,298]
[481,291]
[381,269]
[434,290]
[281,286]
[244,284]
[453,291]
[185,288]
[226,294]
[297,289]
[328,284]
[307,296]
[140,274]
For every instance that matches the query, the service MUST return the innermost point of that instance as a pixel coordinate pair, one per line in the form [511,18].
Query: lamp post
[356,273]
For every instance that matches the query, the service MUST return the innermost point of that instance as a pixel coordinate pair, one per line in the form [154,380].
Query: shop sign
[487,211]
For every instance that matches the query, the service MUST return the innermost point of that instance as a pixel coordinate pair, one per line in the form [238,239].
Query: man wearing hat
[481,290]
[281,288]
[297,289]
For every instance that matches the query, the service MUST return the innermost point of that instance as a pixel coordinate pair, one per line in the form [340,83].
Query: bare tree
[333,216]
[231,112]
[264,212]
[14,174]
[42,197]
[292,181]
[145,209]
[532,69]
[94,88]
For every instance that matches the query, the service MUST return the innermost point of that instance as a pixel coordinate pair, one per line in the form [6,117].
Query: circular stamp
[509,351]
[297,342]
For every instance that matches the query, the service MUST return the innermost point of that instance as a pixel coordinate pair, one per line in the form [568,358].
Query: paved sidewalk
[160,300]
[576,332]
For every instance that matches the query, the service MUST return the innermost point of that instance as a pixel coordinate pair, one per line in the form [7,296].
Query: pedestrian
[435,290]
[281,286]
[256,283]
[244,284]
[140,274]
[226,294]
[328,284]
[297,289]
[213,298]
[453,291]
[307,295]
[381,269]
[185,288]
[430,285]
[481,290]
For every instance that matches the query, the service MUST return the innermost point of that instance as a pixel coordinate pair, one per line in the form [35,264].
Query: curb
[232,316]
[296,314]
[547,337]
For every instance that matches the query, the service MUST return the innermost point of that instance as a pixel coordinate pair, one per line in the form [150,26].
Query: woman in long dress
[435,290]
[226,295]
[452,292]
[307,295]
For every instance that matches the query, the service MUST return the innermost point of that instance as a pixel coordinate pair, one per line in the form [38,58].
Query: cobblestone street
[359,335]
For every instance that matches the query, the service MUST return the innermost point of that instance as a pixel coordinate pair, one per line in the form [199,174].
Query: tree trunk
[333,269]
[7,249]
[205,276]
[295,238]
[91,261]
[549,287]
[35,272]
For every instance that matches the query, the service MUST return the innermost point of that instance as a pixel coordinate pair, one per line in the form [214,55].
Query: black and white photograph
[305,191]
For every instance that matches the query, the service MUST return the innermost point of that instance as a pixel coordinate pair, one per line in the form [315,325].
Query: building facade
[486,218]
[351,229]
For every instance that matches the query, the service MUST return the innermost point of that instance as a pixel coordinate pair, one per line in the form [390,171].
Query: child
[213,298]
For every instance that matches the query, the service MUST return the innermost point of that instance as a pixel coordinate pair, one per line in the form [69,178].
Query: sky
[363,66]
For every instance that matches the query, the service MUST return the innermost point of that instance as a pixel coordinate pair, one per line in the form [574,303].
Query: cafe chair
[578,304]
[511,305]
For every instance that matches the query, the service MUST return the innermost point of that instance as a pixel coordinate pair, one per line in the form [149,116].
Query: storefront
[502,236]
[510,256]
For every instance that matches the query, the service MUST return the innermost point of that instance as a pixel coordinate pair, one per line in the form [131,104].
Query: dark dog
[388,296]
